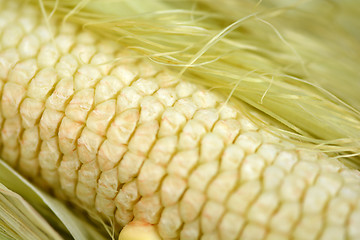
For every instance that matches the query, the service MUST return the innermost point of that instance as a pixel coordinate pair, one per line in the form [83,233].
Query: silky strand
[179,119]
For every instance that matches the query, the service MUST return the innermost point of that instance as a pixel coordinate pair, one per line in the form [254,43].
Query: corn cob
[130,141]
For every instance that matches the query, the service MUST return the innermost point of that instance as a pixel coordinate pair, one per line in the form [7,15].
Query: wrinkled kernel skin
[126,140]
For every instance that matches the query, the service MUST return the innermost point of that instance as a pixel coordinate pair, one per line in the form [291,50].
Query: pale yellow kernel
[42,83]
[201,176]
[248,125]
[170,222]
[43,33]
[244,196]
[123,216]
[309,227]
[29,46]
[191,134]
[350,176]
[221,186]
[228,112]
[10,132]
[49,155]
[123,126]
[29,142]
[110,154]
[129,166]
[185,106]
[308,155]
[85,194]
[273,177]
[183,162]
[148,209]
[11,154]
[107,88]
[128,98]
[29,20]
[232,157]
[88,145]
[190,231]
[127,195]
[253,232]
[87,181]
[64,42]
[249,141]
[138,230]
[276,236]
[147,68]
[263,208]
[252,167]
[210,236]
[228,129]
[80,105]
[166,79]
[207,117]
[286,160]
[86,37]
[103,62]
[11,35]
[29,166]
[210,216]
[144,137]
[151,109]
[205,99]
[333,233]
[338,211]
[69,131]
[23,72]
[49,123]
[171,190]
[108,184]
[31,111]
[12,96]
[171,123]
[150,177]
[166,96]
[86,76]
[59,97]
[350,192]
[83,52]
[66,66]
[191,204]
[230,226]
[163,150]
[50,177]
[69,165]
[48,55]
[145,87]
[127,73]
[354,223]
[105,206]
[268,152]
[68,28]
[185,89]
[315,200]
[8,59]
[100,117]
[332,182]
[307,170]
[292,188]
[211,147]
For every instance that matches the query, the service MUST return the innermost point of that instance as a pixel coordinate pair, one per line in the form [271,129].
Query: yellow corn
[127,140]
